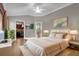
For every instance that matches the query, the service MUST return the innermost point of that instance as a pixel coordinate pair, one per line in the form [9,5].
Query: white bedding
[45,46]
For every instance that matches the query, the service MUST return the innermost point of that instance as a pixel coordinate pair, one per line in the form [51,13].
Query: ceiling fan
[37,9]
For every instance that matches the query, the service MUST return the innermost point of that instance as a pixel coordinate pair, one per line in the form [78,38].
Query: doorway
[38,29]
[19,29]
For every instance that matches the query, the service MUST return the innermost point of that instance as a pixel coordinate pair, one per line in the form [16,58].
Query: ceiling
[19,9]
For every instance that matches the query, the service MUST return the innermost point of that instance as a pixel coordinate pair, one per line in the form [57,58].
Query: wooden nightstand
[74,44]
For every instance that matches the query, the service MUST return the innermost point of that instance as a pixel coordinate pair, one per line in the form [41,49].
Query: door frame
[24,27]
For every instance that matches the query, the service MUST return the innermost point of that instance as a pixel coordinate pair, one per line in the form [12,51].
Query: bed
[47,46]
[44,47]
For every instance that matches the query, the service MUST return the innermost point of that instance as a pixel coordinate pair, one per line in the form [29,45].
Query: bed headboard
[65,33]
[59,31]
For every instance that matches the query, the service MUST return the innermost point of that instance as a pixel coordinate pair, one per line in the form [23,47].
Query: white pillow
[52,35]
[59,36]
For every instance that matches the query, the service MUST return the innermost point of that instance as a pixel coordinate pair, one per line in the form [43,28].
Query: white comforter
[42,47]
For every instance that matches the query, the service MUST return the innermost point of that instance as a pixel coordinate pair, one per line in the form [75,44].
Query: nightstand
[74,44]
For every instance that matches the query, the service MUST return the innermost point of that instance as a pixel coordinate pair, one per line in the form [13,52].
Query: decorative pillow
[68,37]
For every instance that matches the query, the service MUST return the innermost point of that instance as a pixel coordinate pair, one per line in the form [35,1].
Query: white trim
[24,29]
[60,8]
[15,30]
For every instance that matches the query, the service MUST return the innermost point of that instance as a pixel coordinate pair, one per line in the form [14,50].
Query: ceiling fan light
[38,10]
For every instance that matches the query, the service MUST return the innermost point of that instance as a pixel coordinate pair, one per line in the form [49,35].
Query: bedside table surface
[74,42]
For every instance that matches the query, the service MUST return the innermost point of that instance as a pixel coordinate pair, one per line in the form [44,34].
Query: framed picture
[60,22]
[29,26]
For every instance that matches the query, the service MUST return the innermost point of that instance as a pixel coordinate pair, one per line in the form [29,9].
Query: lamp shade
[46,31]
[74,32]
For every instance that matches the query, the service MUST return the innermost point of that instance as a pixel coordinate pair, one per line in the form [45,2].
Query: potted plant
[9,34]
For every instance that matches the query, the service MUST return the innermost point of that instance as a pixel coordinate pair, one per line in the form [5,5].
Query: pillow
[59,36]
[68,37]
[52,35]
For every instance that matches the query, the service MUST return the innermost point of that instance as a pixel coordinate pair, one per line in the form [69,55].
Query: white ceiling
[18,9]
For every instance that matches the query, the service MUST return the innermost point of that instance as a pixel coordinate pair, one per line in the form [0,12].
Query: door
[19,29]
